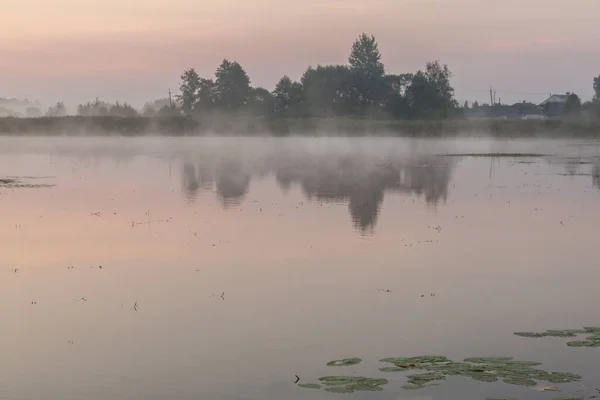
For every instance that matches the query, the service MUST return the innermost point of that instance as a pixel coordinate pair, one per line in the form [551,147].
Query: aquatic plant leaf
[395,360]
[485,360]
[328,380]
[483,377]
[563,377]
[393,369]
[580,343]
[407,365]
[428,359]
[412,387]
[345,361]
[530,334]
[593,338]
[359,387]
[310,385]
[337,389]
[592,329]
[520,382]
[523,363]
[555,333]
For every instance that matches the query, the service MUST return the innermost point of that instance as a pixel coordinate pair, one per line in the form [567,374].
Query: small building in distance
[554,105]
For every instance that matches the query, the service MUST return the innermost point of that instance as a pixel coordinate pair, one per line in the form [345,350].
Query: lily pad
[486,360]
[593,338]
[520,382]
[530,334]
[412,387]
[310,385]
[395,360]
[592,328]
[580,343]
[563,377]
[337,389]
[483,377]
[555,333]
[340,380]
[393,369]
[359,387]
[345,361]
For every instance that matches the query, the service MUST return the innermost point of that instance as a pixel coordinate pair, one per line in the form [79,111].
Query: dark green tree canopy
[232,86]
[190,84]
[360,88]
[365,57]
[288,98]
[572,104]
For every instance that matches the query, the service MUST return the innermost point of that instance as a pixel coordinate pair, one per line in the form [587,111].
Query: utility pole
[170,101]
[491,97]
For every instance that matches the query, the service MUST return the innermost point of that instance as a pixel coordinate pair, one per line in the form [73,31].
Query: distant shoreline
[263,126]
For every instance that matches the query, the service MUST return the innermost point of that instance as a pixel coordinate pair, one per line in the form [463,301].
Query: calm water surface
[222,268]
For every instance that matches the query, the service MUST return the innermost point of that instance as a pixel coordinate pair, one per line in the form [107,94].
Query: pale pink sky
[135,50]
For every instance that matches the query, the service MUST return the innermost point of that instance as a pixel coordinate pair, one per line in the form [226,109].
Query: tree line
[360,88]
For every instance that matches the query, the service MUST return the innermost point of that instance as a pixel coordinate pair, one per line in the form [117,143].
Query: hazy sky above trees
[135,50]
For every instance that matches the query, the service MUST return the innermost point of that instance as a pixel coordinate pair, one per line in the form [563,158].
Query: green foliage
[360,88]
[572,104]
[430,94]
[189,87]
[232,86]
[597,88]
[368,73]
[288,98]
[327,90]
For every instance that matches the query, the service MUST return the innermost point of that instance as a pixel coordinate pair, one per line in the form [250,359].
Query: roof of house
[556,98]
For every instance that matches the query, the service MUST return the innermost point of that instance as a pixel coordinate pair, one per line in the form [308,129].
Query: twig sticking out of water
[297,378]
[223,295]
[135,306]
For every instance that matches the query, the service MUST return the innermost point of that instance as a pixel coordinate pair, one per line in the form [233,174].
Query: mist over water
[231,265]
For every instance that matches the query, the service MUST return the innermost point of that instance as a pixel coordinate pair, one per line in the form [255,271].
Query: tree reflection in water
[359,179]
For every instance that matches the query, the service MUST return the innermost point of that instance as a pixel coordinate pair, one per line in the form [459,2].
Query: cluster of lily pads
[346,384]
[483,369]
[433,369]
[590,341]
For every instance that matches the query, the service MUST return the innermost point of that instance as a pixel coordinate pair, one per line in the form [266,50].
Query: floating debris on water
[345,361]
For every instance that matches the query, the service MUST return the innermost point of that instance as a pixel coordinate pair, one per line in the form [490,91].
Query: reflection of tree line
[358,179]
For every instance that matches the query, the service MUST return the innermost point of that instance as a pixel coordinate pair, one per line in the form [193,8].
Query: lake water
[209,268]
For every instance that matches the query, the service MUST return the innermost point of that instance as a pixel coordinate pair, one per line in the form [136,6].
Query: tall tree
[394,102]
[327,90]
[232,86]
[288,98]
[572,104]
[206,95]
[368,71]
[597,88]
[190,84]
[430,93]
